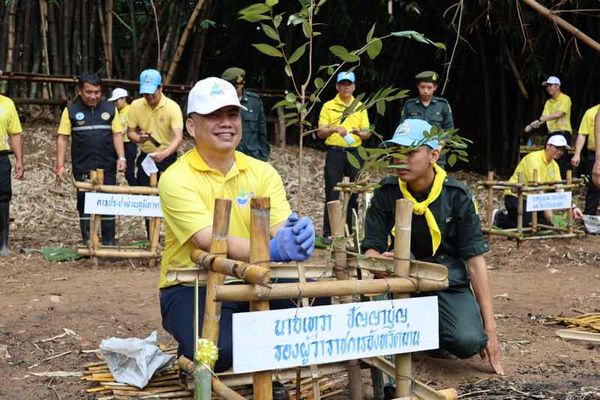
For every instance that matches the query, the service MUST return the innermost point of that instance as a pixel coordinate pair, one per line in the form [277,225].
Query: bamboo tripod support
[522,188]
[94,249]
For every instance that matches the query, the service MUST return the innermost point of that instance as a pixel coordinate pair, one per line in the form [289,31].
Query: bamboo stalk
[534,215]
[520,206]
[109,38]
[490,200]
[110,253]
[184,36]
[250,273]
[570,212]
[336,221]
[260,234]
[154,222]
[96,219]
[87,186]
[403,362]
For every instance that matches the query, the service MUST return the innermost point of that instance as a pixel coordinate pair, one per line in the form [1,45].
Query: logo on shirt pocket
[243,198]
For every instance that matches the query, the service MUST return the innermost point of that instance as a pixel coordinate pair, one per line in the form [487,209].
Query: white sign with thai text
[548,201]
[122,204]
[270,340]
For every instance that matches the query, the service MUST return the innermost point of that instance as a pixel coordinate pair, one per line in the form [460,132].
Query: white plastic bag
[592,223]
[134,361]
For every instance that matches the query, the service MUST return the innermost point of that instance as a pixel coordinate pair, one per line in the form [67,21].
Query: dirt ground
[40,299]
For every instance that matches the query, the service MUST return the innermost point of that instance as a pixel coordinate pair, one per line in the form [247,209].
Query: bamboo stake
[403,362]
[250,273]
[520,206]
[154,222]
[87,186]
[97,219]
[348,288]
[336,221]
[218,245]
[260,234]
[113,253]
[563,24]
[534,215]
[183,40]
[46,59]
[490,199]
[570,212]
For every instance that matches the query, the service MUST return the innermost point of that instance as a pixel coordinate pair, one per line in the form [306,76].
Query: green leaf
[353,160]
[363,153]
[370,34]
[268,49]
[270,32]
[419,37]
[295,19]
[257,8]
[291,97]
[280,103]
[297,54]
[339,51]
[254,17]
[380,105]
[374,48]
[271,3]
[319,83]
[277,20]
[452,159]
[288,70]
[307,29]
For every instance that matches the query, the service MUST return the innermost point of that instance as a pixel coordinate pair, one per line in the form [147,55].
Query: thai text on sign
[549,201]
[269,340]
[122,204]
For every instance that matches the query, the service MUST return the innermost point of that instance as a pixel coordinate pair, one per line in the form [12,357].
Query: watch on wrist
[122,159]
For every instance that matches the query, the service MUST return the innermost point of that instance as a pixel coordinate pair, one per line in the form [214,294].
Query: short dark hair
[92,79]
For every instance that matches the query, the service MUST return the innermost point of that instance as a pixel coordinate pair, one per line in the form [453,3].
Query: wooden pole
[336,221]
[87,186]
[563,24]
[534,215]
[117,253]
[403,362]
[520,206]
[154,226]
[260,235]
[248,272]
[96,220]
[570,211]
[490,200]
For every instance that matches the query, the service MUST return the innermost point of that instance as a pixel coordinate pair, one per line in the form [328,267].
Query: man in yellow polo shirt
[557,116]
[10,142]
[544,162]
[586,128]
[343,133]
[213,169]
[96,136]
[156,123]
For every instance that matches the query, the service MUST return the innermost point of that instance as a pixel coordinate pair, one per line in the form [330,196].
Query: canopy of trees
[498,52]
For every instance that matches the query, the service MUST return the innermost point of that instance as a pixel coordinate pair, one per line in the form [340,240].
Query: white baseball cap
[552,80]
[558,141]
[210,94]
[118,93]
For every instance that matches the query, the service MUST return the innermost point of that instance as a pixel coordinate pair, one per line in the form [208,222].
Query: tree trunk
[134,39]
[487,108]
[85,37]
[198,47]
[103,32]
[181,46]
[109,36]
[43,49]
[10,42]
[93,39]
[67,21]
[174,13]
[76,56]
[55,60]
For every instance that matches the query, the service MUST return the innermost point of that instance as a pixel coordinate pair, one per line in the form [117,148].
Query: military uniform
[460,325]
[437,113]
[255,139]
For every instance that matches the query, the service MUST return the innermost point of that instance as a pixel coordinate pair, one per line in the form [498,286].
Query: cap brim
[407,142]
[114,98]
[148,88]
[208,110]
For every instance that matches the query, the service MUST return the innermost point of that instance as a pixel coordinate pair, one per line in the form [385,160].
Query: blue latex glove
[295,241]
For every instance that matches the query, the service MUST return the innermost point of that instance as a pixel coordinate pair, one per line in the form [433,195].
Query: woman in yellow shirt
[121,99]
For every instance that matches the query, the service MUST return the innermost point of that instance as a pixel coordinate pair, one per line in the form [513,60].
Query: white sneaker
[495,212]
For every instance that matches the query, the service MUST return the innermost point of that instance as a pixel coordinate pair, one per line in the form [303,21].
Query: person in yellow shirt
[544,161]
[586,129]
[156,123]
[557,117]
[214,169]
[10,142]
[122,99]
[96,136]
[343,133]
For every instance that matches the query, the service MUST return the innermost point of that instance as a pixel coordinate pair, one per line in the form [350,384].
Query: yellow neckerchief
[420,208]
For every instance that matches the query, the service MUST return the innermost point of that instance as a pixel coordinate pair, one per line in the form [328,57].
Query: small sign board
[270,340]
[548,201]
[122,204]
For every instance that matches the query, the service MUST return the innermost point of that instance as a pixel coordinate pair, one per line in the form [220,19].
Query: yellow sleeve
[175,116]
[64,128]
[324,116]
[584,127]
[14,125]
[132,116]
[564,104]
[183,208]
[117,126]
[273,188]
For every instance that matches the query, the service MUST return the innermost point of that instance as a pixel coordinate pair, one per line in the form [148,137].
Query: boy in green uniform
[446,230]
[255,139]
[430,108]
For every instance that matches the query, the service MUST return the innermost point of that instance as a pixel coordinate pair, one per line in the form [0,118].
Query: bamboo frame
[250,273]
[94,248]
[536,231]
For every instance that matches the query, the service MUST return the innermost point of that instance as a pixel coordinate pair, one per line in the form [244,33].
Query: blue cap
[346,76]
[150,80]
[411,133]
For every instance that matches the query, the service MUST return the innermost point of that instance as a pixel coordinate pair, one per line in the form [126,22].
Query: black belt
[6,152]
[340,148]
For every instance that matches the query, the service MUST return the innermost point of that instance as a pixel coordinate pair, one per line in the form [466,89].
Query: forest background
[498,53]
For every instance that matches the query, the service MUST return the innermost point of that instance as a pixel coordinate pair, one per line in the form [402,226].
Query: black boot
[4,223]
[280,392]
[107,229]
[84,226]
